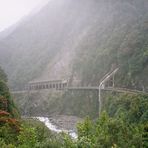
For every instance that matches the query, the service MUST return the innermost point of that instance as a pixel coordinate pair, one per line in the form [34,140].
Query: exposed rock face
[51,103]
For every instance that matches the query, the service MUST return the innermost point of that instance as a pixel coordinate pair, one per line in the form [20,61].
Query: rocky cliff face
[80,40]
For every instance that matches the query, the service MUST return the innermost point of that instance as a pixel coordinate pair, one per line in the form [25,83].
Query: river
[54,128]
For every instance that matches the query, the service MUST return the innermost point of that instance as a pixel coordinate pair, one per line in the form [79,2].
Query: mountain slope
[80,40]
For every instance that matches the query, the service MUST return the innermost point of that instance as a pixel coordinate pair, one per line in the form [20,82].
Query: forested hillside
[6,102]
[81,40]
[122,124]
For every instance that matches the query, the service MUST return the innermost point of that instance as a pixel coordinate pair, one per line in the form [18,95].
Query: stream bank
[61,123]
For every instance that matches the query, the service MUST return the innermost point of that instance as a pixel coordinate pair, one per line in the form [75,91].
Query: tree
[3,76]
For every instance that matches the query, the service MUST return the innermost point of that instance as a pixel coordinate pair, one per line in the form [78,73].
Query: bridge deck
[120,90]
[83,88]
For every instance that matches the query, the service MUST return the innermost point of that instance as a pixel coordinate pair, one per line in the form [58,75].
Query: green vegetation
[9,126]
[18,133]
[6,101]
[122,124]
[132,108]
[110,132]
[32,134]
[3,76]
[83,41]
[126,48]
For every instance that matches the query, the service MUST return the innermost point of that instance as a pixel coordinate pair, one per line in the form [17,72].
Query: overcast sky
[12,11]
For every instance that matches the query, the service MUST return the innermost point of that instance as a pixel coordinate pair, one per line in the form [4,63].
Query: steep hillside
[46,103]
[80,40]
[6,102]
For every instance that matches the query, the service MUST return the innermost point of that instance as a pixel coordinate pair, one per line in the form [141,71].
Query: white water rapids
[52,127]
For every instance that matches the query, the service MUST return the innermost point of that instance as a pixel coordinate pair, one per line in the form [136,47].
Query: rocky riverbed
[61,123]
[65,122]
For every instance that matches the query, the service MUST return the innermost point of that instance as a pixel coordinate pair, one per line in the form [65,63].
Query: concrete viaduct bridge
[53,85]
[63,85]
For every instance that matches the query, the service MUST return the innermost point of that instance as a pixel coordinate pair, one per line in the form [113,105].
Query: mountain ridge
[79,40]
